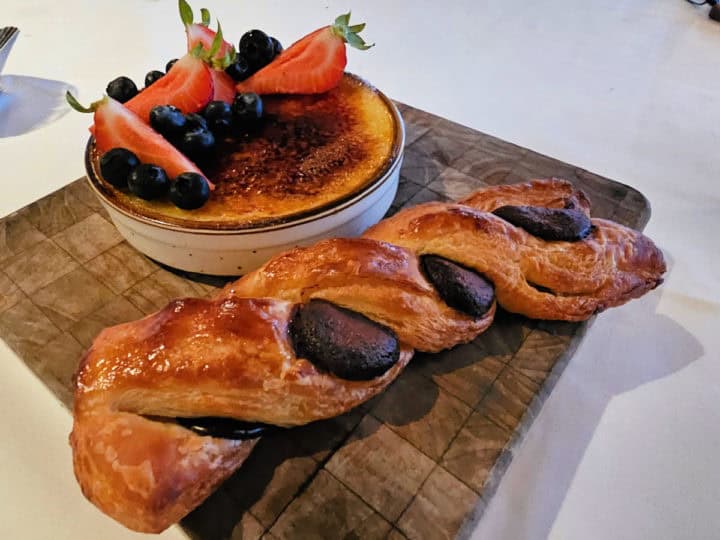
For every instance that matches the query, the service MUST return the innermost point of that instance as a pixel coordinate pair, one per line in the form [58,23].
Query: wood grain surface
[421,460]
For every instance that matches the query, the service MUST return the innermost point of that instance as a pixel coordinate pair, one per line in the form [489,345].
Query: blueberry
[170,64]
[257,48]
[148,181]
[121,89]
[116,165]
[153,76]
[189,191]
[239,70]
[197,144]
[277,46]
[247,108]
[167,120]
[194,121]
[219,116]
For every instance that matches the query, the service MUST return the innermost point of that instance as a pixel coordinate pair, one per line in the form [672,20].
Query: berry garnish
[148,181]
[116,126]
[277,46]
[239,70]
[189,191]
[313,65]
[170,64]
[153,76]
[168,120]
[121,89]
[195,121]
[188,86]
[116,165]
[257,49]
[247,107]
[197,144]
[219,117]
[200,34]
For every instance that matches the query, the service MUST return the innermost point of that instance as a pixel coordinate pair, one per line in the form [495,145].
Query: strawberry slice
[118,127]
[210,45]
[313,65]
[188,85]
[201,34]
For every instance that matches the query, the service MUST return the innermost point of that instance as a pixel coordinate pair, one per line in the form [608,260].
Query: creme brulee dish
[230,156]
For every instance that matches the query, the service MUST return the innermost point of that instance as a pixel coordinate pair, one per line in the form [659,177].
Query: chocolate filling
[568,224]
[343,342]
[459,287]
[225,428]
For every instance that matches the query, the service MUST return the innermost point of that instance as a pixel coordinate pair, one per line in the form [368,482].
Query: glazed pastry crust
[231,355]
[554,280]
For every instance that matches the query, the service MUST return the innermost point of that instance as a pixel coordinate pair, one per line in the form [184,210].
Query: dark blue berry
[247,108]
[116,165]
[170,64]
[148,181]
[121,89]
[194,121]
[153,76]
[219,116]
[197,144]
[239,70]
[277,46]
[257,48]
[168,120]
[189,191]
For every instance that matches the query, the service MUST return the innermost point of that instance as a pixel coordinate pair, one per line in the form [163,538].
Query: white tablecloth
[626,446]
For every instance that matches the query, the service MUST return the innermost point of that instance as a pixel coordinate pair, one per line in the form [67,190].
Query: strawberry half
[188,85]
[118,127]
[219,53]
[201,34]
[313,65]
[197,34]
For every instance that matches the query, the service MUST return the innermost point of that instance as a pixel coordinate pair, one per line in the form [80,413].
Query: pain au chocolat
[308,154]
[320,329]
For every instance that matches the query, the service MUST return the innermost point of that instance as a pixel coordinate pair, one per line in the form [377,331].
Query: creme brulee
[309,153]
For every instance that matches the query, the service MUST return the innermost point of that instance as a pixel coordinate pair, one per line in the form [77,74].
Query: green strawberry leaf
[356,41]
[350,34]
[186,13]
[343,20]
[217,42]
[205,14]
[75,104]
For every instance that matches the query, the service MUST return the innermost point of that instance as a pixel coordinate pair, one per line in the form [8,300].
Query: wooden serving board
[419,461]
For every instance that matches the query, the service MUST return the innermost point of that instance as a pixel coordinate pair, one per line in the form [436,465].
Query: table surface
[626,445]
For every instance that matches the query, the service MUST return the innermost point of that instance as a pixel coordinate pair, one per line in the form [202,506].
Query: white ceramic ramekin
[235,252]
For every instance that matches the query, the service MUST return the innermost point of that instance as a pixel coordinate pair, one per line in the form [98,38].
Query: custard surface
[308,154]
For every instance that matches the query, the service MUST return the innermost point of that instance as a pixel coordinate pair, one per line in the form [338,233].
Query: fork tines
[6,34]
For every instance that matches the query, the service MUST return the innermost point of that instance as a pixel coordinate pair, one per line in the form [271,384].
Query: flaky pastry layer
[231,356]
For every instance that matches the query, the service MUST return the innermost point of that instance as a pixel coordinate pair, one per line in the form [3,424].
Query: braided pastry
[316,331]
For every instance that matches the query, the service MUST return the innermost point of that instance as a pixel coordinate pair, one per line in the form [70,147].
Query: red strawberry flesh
[224,86]
[188,86]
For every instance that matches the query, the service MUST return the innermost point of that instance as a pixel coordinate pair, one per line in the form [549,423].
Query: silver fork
[8,34]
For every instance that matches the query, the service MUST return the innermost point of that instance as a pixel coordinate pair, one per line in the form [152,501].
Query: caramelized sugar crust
[310,153]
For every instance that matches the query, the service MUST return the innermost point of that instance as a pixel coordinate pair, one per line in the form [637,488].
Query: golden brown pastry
[567,281]
[318,330]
